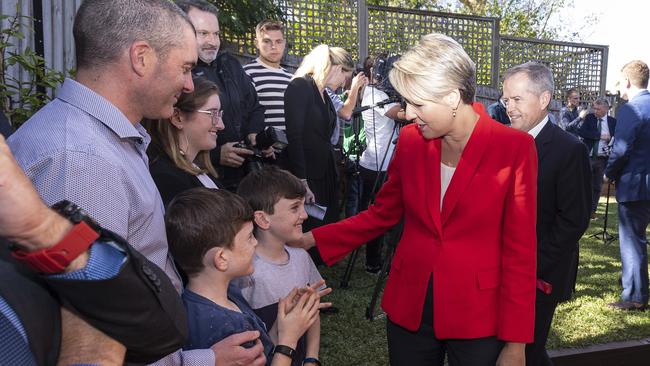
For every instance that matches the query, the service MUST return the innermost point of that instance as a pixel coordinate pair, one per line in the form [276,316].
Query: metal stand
[390,242]
[356,126]
[603,234]
[379,181]
[345,280]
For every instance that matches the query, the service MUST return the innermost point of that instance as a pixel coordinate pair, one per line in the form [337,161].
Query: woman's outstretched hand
[306,242]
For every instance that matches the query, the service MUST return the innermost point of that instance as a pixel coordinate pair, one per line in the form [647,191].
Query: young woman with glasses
[179,154]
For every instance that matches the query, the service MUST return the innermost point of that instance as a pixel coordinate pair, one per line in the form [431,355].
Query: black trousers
[369,177]
[422,348]
[536,354]
[326,192]
[597,168]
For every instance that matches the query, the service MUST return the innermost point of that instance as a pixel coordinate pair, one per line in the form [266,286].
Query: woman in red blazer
[462,280]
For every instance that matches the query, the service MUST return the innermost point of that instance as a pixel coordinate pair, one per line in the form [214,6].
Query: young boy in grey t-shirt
[278,198]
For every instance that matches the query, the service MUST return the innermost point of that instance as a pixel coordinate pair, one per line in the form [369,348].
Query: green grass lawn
[349,339]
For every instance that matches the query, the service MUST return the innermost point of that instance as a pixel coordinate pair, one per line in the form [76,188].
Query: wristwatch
[55,259]
[313,360]
[284,350]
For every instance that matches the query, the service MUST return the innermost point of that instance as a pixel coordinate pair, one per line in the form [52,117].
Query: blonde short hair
[268,25]
[320,60]
[637,72]
[433,68]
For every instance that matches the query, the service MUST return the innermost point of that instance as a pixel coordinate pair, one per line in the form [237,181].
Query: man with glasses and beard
[243,115]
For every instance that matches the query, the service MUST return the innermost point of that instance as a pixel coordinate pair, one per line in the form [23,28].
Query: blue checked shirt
[82,148]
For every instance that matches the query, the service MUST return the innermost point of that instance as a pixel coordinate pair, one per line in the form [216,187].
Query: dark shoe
[593,216]
[373,269]
[331,310]
[628,305]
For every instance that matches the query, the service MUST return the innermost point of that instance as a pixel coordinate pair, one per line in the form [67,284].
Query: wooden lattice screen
[393,30]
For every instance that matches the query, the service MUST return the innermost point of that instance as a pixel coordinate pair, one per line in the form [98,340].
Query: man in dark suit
[629,168]
[596,131]
[563,195]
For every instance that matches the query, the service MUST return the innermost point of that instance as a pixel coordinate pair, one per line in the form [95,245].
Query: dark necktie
[594,150]
[13,348]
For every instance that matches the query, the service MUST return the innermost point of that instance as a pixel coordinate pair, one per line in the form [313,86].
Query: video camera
[359,70]
[269,137]
[381,68]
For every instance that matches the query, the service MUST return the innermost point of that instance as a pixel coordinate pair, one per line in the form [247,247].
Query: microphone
[379,104]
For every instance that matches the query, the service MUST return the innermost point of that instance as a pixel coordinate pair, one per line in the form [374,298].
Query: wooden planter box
[628,353]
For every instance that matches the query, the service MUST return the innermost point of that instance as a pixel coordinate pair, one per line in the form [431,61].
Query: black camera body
[359,70]
[269,137]
[381,68]
[272,137]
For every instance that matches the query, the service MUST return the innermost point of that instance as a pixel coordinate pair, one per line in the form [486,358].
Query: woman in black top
[179,154]
[310,119]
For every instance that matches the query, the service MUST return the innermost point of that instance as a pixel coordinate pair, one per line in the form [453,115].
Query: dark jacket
[310,121]
[563,207]
[242,112]
[170,179]
[568,116]
[587,129]
[5,127]
[498,113]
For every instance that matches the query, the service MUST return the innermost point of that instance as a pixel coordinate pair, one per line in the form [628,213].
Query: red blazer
[480,248]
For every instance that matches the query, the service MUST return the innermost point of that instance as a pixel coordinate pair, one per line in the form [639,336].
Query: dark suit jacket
[139,307]
[170,179]
[563,207]
[629,161]
[310,121]
[498,113]
[479,247]
[5,127]
[587,129]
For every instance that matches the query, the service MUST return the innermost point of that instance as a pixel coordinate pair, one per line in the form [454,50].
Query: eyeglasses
[215,114]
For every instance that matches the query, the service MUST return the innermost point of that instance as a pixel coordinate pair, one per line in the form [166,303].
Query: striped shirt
[270,84]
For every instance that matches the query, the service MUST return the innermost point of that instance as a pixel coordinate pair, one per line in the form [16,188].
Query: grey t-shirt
[272,281]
